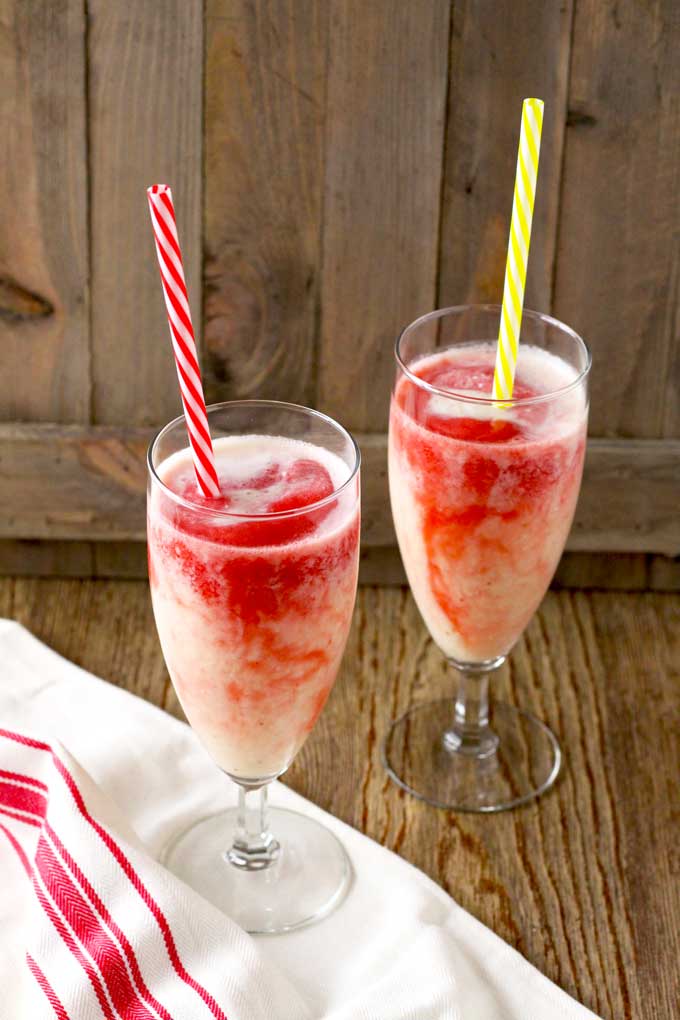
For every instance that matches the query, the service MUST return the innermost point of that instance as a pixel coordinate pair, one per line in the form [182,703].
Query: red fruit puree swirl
[494,498]
[253,613]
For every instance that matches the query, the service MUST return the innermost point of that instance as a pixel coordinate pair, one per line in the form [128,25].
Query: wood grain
[622,571]
[68,482]
[501,53]
[120,560]
[664,573]
[378,565]
[628,492]
[618,251]
[30,557]
[265,92]
[387,74]
[145,127]
[584,882]
[44,259]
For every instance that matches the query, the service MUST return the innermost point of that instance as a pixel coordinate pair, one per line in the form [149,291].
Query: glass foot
[421,756]
[308,878]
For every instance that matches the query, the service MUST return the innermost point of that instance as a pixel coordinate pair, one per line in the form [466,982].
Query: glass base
[422,756]
[308,878]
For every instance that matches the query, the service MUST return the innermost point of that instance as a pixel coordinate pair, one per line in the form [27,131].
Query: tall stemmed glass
[253,596]
[483,496]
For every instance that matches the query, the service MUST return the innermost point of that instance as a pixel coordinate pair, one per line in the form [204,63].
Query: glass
[483,496]
[253,610]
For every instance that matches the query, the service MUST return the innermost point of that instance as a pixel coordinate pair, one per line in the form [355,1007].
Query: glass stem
[254,847]
[471,734]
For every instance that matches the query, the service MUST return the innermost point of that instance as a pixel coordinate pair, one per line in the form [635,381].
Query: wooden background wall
[339,167]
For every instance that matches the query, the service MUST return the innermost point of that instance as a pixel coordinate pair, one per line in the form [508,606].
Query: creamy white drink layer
[253,634]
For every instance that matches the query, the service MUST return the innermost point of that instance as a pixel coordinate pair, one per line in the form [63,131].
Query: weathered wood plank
[631,652]
[629,498]
[501,53]
[617,262]
[379,565]
[145,124]
[30,557]
[671,418]
[265,94]
[72,482]
[68,482]
[611,571]
[664,573]
[584,881]
[120,560]
[44,260]
[387,76]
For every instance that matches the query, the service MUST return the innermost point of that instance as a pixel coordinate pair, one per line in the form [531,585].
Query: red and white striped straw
[182,335]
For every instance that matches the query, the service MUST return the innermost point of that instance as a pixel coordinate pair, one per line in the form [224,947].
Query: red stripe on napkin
[29,819]
[67,935]
[106,918]
[144,893]
[50,993]
[19,738]
[4,774]
[97,933]
[94,939]
[80,921]
[21,799]
[63,929]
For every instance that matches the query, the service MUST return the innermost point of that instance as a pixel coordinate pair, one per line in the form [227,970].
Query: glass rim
[280,514]
[468,398]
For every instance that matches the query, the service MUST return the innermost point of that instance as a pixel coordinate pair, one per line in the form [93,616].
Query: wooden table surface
[584,882]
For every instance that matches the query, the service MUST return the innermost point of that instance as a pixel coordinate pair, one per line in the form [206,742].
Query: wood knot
[17,304]
[580,118]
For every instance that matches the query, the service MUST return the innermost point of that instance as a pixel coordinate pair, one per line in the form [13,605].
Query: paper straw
[182,336]
[518,248]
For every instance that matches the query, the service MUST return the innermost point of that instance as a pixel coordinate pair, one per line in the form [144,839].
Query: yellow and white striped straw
[518,248]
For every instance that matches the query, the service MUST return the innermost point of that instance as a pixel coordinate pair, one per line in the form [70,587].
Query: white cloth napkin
[92,926]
